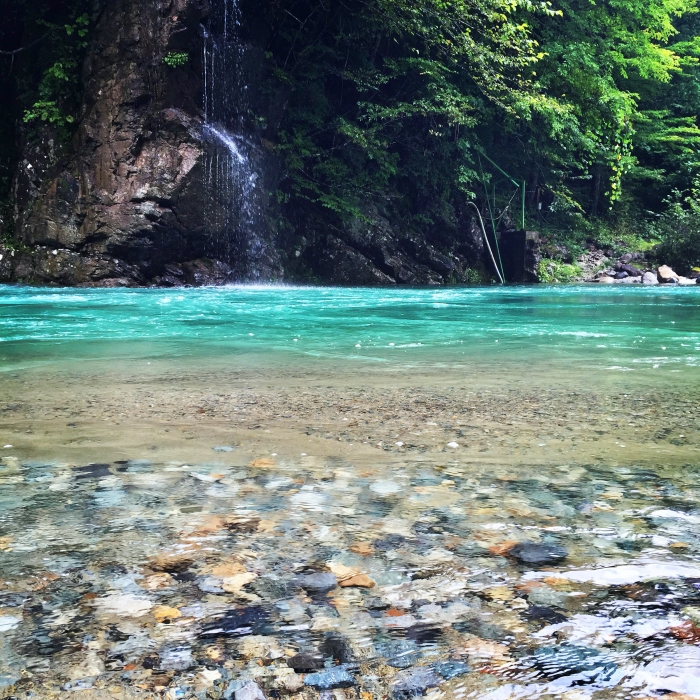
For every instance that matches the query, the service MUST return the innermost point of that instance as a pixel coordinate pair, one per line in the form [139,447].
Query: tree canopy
[593,103]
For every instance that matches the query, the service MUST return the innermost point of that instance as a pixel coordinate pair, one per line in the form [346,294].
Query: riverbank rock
[629,269]
[605,279]
[629,257]
[666,274]
[590,262]
[650,278]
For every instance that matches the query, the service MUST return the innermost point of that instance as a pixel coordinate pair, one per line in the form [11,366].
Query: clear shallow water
[183,532]
[604,328]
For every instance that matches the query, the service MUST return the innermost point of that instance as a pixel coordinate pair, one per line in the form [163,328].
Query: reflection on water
[250,530]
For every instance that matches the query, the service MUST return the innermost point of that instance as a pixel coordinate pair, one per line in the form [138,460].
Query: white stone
[9,622]
[250,691]
[626,574]
[677,671]
[667,513]
[124,604]
[384,487]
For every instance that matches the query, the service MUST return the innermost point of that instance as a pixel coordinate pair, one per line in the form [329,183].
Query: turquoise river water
[637,328]
[303,493]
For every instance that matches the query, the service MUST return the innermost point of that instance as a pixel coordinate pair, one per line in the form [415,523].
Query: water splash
[233,213]
[228,140]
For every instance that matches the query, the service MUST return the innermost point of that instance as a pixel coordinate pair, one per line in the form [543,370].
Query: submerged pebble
[331,678]
[532,553]
[414,682]
[425,581]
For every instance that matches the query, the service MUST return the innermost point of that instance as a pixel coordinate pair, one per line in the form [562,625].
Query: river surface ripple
[260,492]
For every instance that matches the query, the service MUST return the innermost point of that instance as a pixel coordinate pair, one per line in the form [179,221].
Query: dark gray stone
[545,614]
[317,583]
[482,628]
[532,553]
[337,647]
[630,270]
[271,588]
[306,662]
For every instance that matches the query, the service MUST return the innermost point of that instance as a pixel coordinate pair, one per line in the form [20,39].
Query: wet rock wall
[124,198]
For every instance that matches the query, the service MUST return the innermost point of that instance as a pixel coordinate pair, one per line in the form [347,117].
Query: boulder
[649,278]
[605,279]
[630,270]
[666,274]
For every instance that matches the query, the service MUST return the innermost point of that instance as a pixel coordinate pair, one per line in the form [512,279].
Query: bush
[549,271]
[679,231]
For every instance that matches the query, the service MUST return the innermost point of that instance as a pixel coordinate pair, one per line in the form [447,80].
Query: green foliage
[388,106]
[551,271]
[176,60]
[47,111]
[679,231]
[601,59]
[58,92]
[385,93]
[594,105]
[475,276]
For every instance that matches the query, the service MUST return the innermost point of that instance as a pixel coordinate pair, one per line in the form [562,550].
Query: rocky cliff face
[125,204]
[127,198]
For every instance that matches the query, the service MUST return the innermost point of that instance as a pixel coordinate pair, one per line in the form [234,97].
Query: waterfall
[233,211]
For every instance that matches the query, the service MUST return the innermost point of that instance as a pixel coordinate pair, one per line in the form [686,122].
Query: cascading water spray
[233,214]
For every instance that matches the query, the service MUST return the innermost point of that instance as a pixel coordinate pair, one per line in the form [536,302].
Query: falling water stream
[233,212]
